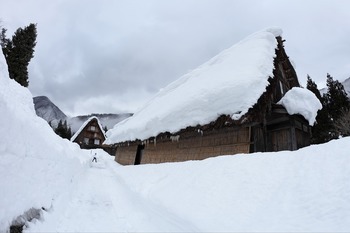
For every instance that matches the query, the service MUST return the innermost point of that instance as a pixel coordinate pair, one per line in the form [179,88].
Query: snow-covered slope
[301,191]
[36,165]
[47,110]
[305,190]
[230,83]
[346,85]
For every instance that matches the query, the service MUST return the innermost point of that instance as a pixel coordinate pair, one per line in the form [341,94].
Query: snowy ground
[102,202]
[302,191]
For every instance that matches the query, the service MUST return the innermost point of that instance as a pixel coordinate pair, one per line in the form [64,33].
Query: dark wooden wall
[195,145]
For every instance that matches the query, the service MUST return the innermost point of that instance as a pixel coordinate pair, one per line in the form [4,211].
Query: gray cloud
[112,56]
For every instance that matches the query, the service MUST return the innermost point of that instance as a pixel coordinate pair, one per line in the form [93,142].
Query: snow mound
[229,83]
[290,191]
[307,190]
[301,101]
[35,163]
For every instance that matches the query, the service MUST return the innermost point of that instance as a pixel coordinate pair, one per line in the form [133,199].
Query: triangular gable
[85,124]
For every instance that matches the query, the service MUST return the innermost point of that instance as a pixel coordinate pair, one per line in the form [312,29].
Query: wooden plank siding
[189,146]
[125,155]
[286,132]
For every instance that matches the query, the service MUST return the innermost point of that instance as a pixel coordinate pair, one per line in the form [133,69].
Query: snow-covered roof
[229,83]
[83,126]
[301,101]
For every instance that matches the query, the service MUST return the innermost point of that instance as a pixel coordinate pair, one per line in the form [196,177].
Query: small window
[93,128]
[97,142]
[86,141]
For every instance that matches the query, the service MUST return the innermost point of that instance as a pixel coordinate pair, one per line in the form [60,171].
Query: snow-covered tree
[321,130]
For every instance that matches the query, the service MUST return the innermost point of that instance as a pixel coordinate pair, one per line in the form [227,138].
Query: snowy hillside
[346,85]
[47,110]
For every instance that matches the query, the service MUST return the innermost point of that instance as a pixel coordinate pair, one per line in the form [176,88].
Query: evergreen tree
[19,51]
[3,40]
[337,104]
[63,130]
[323,126]
[59,128]
[336,98]
[105,129]
[342,124]
[69,133]
[312,86]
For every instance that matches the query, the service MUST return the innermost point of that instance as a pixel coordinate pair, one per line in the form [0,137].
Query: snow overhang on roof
[229,83]
[301,101]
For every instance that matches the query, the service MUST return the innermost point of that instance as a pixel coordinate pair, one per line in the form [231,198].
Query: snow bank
[230,83]
[35,163]
[291,191]
[301,101]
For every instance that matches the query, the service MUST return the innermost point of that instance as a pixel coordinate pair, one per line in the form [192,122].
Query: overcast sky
[110,56]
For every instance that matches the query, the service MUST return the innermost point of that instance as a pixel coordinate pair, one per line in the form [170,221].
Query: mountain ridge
[47,110]
[50,112]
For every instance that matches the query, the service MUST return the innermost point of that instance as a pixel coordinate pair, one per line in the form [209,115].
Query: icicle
[175,138]
[200,131]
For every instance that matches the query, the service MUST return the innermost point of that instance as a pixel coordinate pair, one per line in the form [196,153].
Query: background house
[90,134]
[231,104]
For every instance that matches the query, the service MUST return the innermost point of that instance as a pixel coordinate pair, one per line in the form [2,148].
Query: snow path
[102,202]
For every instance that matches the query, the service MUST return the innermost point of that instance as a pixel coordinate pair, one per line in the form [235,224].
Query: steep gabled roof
[84,125]
[229,83]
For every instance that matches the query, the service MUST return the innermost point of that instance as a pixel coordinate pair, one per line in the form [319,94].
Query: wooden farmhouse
[226,106]
[90,135]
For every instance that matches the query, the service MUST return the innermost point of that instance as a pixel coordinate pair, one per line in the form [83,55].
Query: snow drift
[299,191]
[36,165]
